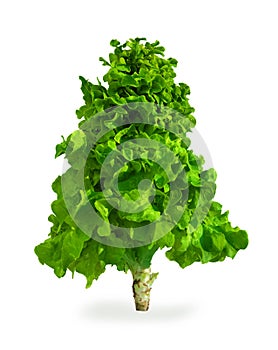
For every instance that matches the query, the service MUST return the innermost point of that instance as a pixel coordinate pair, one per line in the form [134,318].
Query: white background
[227,53]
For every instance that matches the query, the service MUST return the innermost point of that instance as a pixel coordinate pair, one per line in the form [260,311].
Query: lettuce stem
[142,283]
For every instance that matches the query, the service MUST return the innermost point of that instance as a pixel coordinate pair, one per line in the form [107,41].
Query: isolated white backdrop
[227,53]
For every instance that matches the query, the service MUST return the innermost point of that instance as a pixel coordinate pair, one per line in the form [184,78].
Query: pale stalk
[142,283]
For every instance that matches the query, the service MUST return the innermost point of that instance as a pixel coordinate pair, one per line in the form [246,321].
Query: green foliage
[138,72]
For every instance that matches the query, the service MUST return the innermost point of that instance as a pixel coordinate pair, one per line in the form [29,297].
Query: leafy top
[137,73]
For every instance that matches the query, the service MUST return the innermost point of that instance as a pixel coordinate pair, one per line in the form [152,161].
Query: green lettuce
[139,74]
